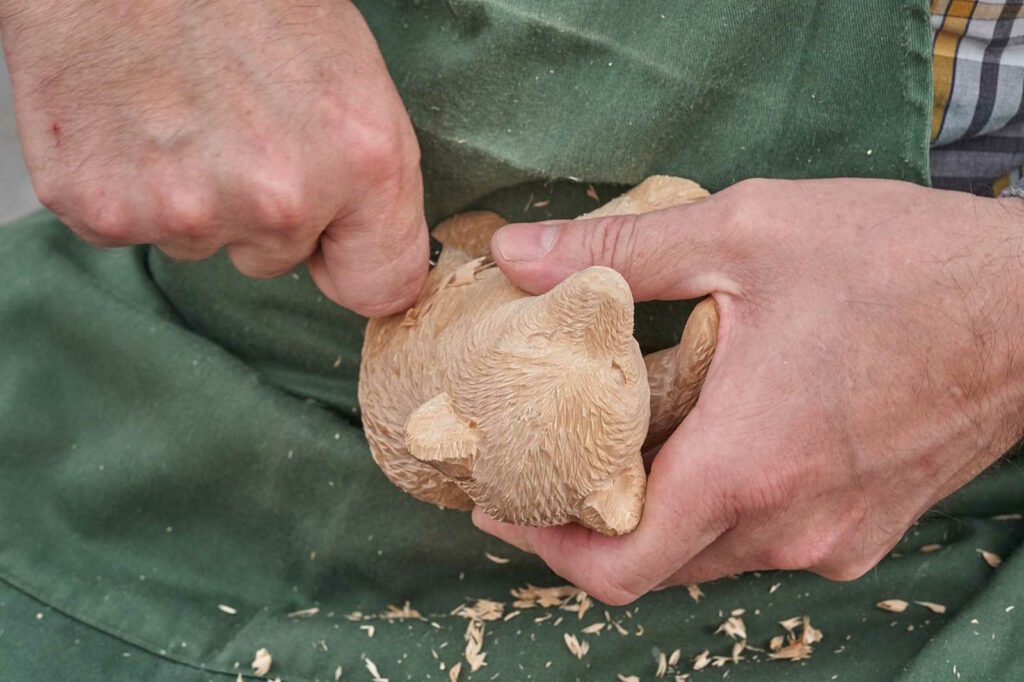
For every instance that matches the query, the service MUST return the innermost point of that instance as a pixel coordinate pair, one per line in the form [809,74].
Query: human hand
[270,127]
[867,366]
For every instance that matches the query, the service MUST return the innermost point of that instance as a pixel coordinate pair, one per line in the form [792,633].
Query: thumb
[374,261]
[671,254]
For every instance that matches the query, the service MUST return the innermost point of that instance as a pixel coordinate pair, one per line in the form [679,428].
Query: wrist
[1007,372]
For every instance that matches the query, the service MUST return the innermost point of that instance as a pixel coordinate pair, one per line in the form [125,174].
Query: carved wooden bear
[535,408]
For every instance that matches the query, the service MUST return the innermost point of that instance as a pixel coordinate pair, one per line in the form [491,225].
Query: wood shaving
[734,628]
[547,597]
[811,635]
[797,647]
[453,674]
[594,628]
[592,193]
[737,612]
[406,612]
[576,647]
[582,605]
[466,273]
[337,673]
[496,559]
[628,678]
[1008,517]
[932,606]
[776,643]
[304,613]
[227,609]
[794,651]
[474,645]
[695,592]
[662,666]
[791,624]
[510,615]
[368,628]
[371,667]
[934,547]
[541,204]
[673,658]
[893,605]
[775,586]
[702,660]
[483,610]
[991,558]
[261,662]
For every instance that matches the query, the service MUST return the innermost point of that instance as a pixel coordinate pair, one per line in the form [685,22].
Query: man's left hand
[868,365]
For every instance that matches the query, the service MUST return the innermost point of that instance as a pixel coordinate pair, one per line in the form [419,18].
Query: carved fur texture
[535,408]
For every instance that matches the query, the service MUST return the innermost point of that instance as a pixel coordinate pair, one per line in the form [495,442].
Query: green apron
[181,463]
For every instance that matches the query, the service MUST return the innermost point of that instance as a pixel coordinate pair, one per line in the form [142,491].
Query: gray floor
[16,196]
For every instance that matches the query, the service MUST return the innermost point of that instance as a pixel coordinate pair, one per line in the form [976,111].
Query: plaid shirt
[978,100]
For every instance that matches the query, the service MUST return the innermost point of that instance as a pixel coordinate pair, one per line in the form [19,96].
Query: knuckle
[109,219]
[615,591]
[806,552]
[738,204]
[188,213]
[281,204]
[612,242]
[379,153]
[48,191]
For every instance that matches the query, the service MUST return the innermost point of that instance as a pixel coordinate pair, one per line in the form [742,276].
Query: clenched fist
[271,127]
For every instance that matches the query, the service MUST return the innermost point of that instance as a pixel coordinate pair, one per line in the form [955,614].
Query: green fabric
[504,91]
[175,436]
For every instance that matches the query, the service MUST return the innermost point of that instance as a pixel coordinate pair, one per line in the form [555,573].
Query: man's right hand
[271,127]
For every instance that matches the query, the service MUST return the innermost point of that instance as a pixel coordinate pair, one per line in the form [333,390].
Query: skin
[267,126]
[869,364]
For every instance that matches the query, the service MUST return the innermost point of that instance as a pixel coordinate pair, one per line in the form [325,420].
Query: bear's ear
[593,307]
[616,508]
[437,435]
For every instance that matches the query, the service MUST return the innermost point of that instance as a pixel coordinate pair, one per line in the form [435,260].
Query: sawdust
[474,645]
[371,667]
[261,662]
[576,647]
[797,647]
[304,613]
[893,605]
[991,558]
[733,627]
[932,606]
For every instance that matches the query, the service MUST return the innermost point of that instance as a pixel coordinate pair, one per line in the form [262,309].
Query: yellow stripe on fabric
[1000,184]
[944,58]
[939,7]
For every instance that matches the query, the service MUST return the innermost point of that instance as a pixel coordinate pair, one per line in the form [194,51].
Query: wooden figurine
[535,408]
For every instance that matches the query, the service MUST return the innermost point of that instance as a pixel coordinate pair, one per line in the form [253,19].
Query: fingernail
[526,242]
